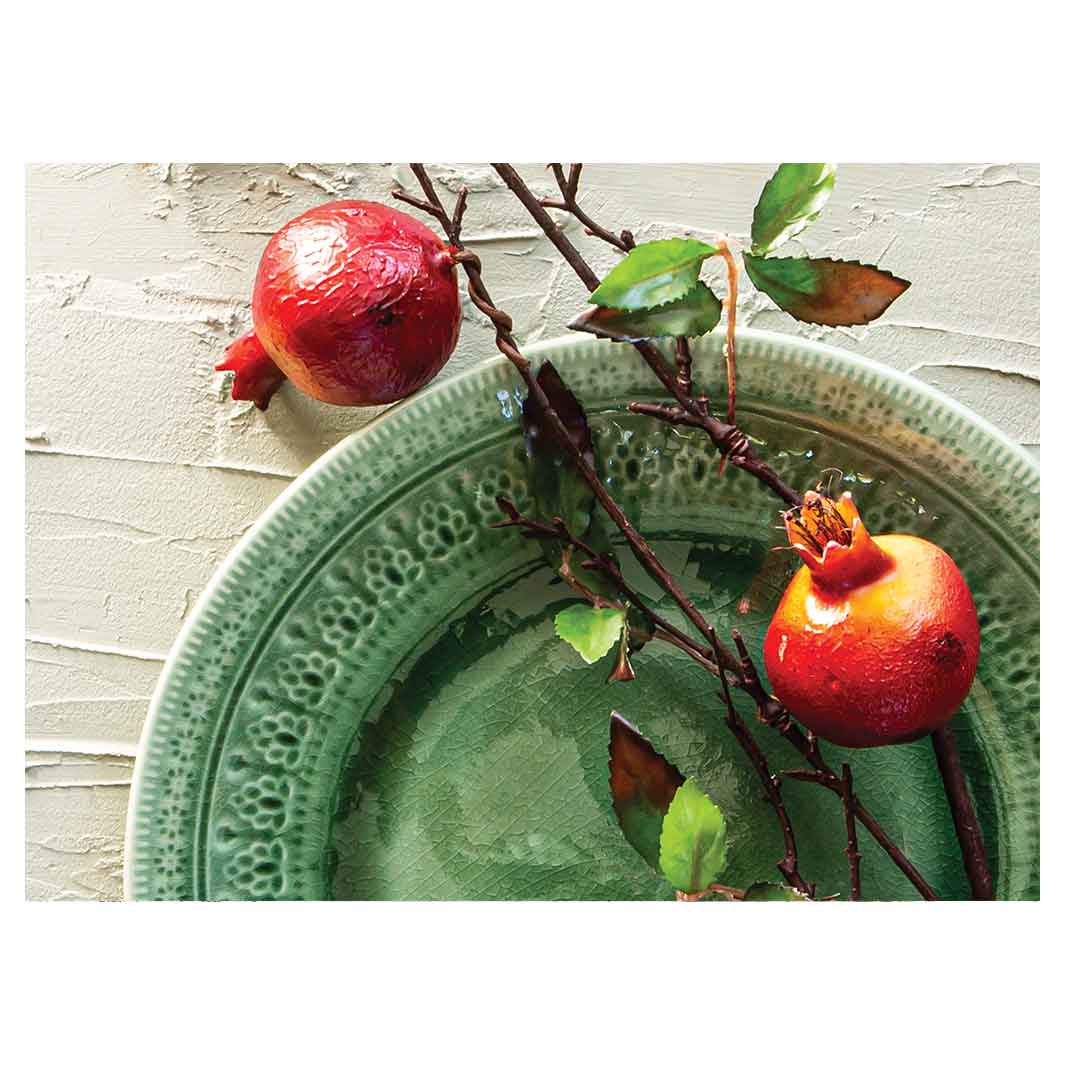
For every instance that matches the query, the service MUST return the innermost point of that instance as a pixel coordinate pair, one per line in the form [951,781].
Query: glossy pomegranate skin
[882,651]
[357,303]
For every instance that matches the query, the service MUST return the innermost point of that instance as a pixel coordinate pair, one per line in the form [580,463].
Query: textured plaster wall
[141,474]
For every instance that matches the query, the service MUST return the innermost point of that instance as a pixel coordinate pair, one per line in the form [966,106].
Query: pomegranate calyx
[257,375]
[832,540]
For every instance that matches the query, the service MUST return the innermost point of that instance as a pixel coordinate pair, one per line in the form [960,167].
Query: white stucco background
[141,473]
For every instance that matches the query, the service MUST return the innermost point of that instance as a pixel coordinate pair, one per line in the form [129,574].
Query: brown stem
[966,824]
[606,565]
[565,571]
[853,854]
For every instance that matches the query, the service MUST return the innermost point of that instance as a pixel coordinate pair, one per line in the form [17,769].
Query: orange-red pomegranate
[876,639]
[355,302]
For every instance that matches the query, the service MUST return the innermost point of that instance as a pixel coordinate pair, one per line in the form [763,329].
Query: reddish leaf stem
[731,301]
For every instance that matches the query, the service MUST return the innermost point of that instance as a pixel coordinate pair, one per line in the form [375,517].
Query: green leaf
[791,200]
[642,785]
[654,273]
[558,490]
[763,891]
[590,631]
[694,314]
[692,845]
[825,291]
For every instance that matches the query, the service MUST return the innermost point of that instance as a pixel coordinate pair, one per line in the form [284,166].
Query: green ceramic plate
[369,702]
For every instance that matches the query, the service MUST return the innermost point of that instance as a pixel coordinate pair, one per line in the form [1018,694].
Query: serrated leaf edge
[723,836]
[821,259]
[566,640]
[696,263]
[582,323]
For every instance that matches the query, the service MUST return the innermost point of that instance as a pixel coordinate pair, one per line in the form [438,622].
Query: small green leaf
[791,200]
[763,891]
[825,291]
[642,785]
[692,845]
[654,273]
[590,631]
[692,315]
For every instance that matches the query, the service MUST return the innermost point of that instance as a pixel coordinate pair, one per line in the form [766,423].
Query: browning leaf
[558,489]
[642,785]
[825,291]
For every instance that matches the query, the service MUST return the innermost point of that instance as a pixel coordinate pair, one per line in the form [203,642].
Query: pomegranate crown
[831,538]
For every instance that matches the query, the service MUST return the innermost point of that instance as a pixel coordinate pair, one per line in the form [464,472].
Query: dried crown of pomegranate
[831,538]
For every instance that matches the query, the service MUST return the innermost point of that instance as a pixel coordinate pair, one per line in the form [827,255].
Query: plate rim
[536,352]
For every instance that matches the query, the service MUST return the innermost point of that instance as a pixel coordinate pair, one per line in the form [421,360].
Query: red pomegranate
[876,638]
[355,302]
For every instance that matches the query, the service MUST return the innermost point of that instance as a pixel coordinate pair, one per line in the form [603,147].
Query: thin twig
[567,187]
[609,568]
[824,776]
[853,854]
